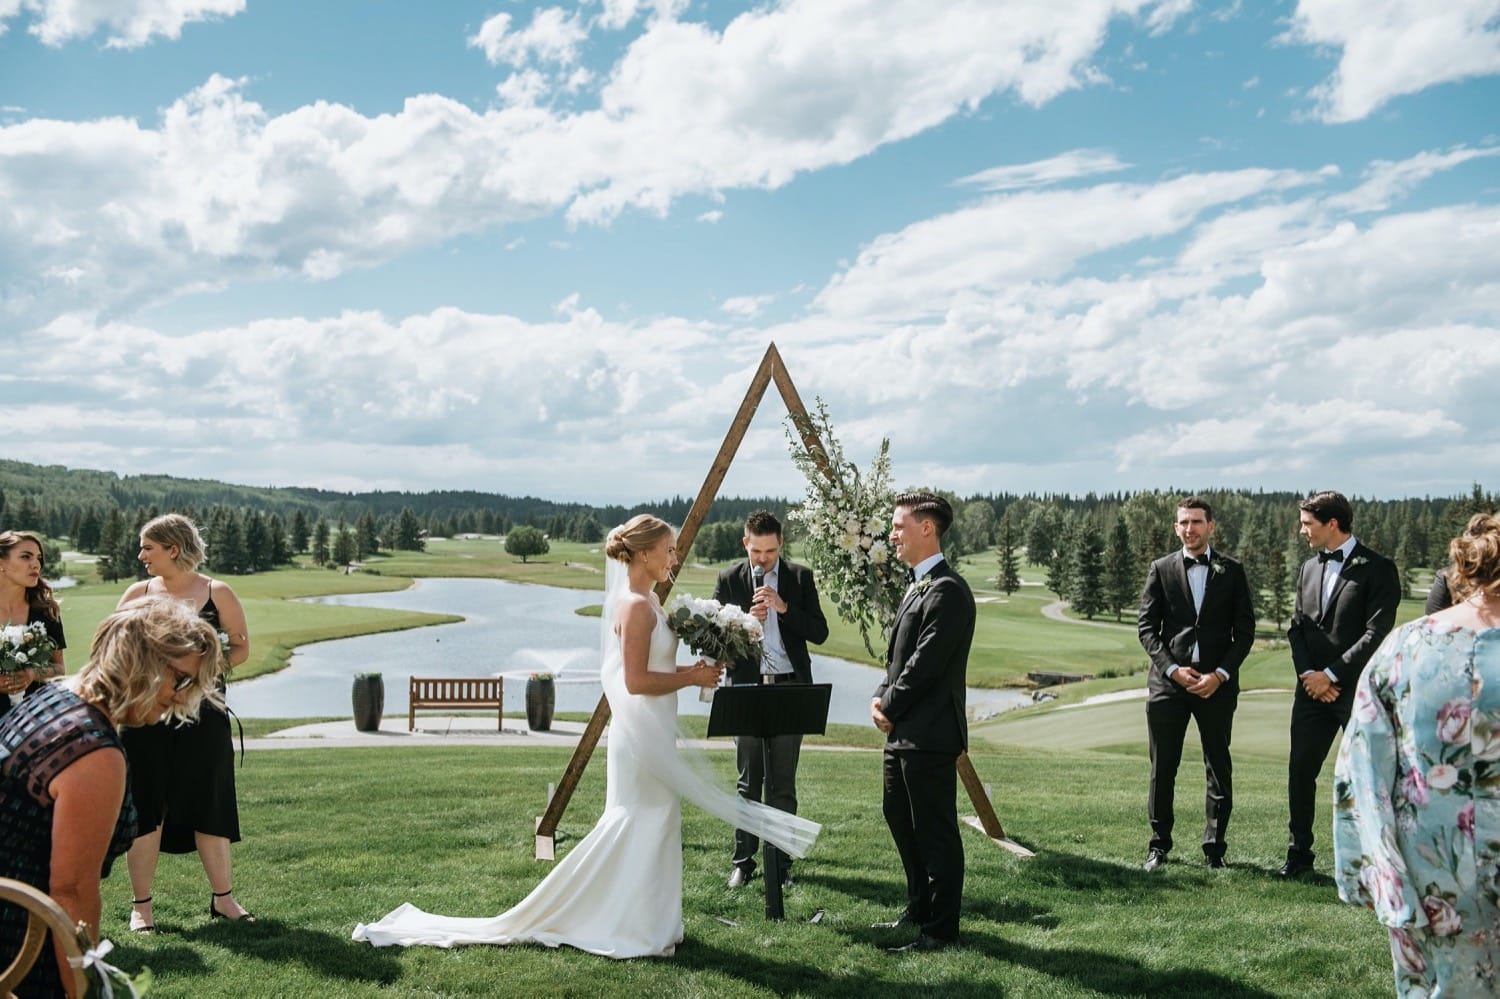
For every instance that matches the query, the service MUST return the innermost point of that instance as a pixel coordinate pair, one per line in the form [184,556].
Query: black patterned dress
[39,738]
[55,632]
[182,776]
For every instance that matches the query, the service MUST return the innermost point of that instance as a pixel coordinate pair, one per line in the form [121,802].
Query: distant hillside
[50,497]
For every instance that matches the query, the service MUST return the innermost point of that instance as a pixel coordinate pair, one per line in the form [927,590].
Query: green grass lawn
[338,836]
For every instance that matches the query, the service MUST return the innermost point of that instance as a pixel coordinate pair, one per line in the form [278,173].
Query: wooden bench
[455,692]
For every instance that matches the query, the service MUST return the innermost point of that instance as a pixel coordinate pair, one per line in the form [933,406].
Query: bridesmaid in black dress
[182,777]
[25,598]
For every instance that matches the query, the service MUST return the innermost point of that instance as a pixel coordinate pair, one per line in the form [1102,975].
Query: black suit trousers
[1315,726]
[1166,725]
[920,805]
[780,787]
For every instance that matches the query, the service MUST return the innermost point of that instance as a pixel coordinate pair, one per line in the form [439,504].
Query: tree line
[1095,548]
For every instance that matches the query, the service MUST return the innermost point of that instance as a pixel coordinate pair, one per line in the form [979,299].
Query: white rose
[1442,776]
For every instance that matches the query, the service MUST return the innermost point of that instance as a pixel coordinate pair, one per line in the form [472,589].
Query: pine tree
[1087,573]
[366,538]
[1009,577]
[409,532]
[300,532]
[344,545]
[1121,585]
[320,550]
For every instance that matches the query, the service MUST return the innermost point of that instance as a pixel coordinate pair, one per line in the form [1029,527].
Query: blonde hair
[130,653]
[176,531]
[638,534]
[1476,557]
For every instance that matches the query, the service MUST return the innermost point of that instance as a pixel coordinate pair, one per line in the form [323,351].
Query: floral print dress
[1416,823]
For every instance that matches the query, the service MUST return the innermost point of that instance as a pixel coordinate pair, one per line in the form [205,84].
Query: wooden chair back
[42,914]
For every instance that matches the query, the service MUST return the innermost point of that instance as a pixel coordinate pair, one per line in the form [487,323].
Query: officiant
[783,596]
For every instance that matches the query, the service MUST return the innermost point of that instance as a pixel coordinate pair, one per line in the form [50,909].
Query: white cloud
[553,36]
[712,215]
[1395,47]
[221,190]
[128,23]
[1043,173]
[746,306]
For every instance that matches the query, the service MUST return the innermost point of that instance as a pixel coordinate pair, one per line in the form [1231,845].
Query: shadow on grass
[334,957]
[1107,974]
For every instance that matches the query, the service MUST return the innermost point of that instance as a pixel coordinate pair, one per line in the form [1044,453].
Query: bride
[619,891]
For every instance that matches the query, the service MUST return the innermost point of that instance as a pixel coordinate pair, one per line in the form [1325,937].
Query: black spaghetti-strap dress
[182,776]
[55,632]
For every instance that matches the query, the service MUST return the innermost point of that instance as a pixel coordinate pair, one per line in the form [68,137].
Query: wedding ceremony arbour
[830,482]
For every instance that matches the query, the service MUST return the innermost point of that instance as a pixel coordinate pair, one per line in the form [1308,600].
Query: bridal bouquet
[720,632]
[847,517]
[23,646]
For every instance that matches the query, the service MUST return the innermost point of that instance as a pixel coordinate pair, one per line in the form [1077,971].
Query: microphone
[757,575]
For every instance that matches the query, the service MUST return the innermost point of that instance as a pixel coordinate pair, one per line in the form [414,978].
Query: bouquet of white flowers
[847,517]
[25,646]
[720,632]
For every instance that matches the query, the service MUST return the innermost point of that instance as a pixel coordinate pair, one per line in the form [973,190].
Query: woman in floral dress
[1417,785]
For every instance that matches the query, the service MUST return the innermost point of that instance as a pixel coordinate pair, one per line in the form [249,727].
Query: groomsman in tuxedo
[1197,625]
[783,597]
[921,709]
[1346,604]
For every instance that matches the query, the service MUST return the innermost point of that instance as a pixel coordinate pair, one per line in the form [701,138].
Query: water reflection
[509,629]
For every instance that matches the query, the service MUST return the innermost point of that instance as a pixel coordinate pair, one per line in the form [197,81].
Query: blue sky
[540,248]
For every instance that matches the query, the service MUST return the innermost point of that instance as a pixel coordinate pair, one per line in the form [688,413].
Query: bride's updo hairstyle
[1476,557]
[639,534]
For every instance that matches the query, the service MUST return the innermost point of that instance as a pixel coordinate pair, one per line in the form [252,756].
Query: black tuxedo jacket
[926,661]
[1224,628]
[803,621]
[1360,612]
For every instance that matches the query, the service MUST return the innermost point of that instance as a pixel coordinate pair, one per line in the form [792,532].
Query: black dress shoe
[904,918]
[739,877]
[1295,867]
[1214,862]
[922,945]
[1154,859]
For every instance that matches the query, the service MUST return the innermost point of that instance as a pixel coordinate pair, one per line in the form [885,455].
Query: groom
[920,707]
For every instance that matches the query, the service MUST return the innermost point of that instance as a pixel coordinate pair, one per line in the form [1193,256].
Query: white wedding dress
[619,891]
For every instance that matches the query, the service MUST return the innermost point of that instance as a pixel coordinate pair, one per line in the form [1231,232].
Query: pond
[509,629]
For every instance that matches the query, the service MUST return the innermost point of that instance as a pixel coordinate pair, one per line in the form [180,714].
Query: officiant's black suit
[1341,637]
[1223,630]
[803,622]
[923,696]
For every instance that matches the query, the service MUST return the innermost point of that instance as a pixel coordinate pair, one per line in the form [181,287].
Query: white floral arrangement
[846,514]
[720,632]
[25,646]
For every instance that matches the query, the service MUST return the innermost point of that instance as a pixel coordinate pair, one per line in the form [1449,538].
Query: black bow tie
[911,576]
[1189,561]
[1337,555]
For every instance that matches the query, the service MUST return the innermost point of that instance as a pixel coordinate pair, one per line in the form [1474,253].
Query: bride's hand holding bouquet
[721,632]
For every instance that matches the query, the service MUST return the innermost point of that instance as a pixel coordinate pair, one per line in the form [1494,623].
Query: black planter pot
[369,702]
[541,695]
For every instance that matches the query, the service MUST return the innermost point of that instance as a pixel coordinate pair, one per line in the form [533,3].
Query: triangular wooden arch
[771,369]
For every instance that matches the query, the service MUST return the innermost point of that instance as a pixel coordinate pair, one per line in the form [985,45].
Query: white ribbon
[94,958]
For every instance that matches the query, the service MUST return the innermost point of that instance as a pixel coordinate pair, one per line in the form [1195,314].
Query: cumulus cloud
[1395,47]
[552,36]
[127,23]
[222,190]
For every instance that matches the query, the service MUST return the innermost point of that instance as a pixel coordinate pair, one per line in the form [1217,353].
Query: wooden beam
[771,369]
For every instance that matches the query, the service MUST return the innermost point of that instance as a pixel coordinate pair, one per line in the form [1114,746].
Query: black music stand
[765,710]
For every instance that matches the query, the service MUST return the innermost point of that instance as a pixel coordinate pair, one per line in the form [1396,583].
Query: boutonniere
[921,585]
[1216,567]
[1356,560]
